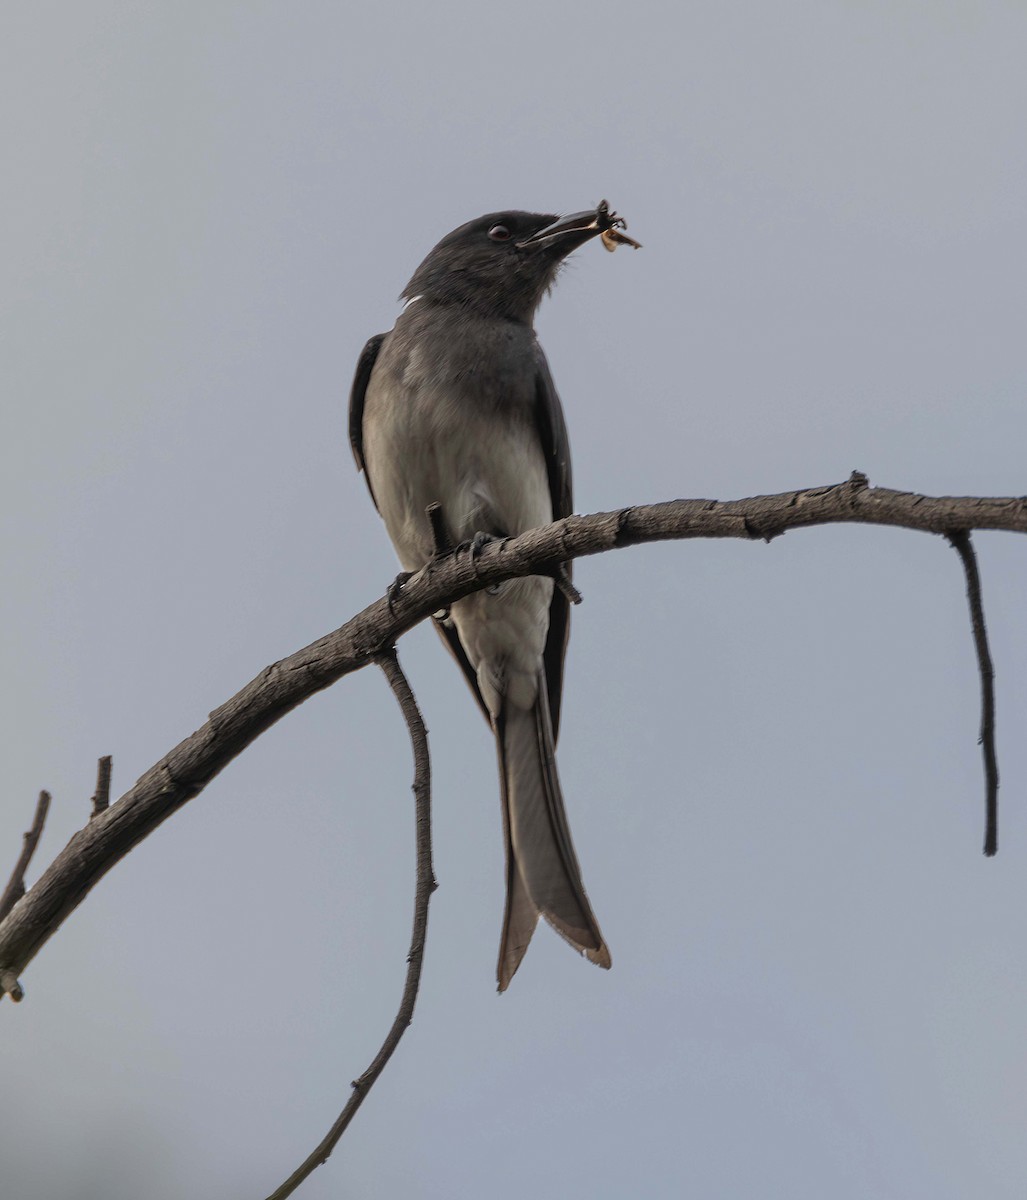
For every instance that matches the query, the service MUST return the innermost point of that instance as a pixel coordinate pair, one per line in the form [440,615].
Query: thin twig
[964,548]
[426,884]
[102,795]
[562,579]
[15,888]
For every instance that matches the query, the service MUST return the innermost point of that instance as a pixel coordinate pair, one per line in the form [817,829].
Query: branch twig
[15,888]
[102,795]
[964,548]
[426,884]
[562,579]
[187,769]
[439,534]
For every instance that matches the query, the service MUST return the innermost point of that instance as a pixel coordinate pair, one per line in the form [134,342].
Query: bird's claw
[394,589]
[475,545]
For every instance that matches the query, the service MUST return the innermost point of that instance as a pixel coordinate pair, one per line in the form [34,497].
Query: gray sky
[769,753]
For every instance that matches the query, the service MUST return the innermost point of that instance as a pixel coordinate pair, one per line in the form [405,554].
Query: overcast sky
[768,752]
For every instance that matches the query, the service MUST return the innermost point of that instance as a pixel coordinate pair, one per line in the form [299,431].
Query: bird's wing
[556,447]
[365,365]
[448,633]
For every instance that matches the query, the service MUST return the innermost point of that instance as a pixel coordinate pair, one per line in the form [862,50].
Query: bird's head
[502,264]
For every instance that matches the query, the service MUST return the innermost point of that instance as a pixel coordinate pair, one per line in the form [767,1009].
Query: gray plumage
[456,406]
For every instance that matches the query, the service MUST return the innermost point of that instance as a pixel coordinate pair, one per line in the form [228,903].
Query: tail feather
[519,921]
[542,873]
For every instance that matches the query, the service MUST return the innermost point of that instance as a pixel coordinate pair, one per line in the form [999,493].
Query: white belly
[488,474]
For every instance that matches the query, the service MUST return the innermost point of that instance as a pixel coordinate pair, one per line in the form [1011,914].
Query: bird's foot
[475,545]
[474,548]
[395,587]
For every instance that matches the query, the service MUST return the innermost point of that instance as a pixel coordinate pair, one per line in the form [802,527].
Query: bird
[455,409]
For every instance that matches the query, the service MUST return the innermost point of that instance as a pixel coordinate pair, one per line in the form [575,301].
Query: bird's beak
[578,228]
[575,230]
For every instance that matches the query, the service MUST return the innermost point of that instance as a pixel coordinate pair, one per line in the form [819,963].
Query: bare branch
[964,548]
[102,795]
[426,884]
[186,770]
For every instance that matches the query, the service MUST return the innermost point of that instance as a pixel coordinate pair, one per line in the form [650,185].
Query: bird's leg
[441,542]
[442,545]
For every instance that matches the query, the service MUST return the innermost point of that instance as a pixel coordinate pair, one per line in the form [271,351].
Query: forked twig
[426,884]
[964,548]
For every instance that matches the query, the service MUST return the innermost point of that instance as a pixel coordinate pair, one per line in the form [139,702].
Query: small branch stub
[9,986]
[102,795]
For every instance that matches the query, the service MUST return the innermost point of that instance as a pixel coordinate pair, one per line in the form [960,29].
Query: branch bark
[188,768]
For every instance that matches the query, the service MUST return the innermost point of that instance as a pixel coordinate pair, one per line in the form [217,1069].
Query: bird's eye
[499,233]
